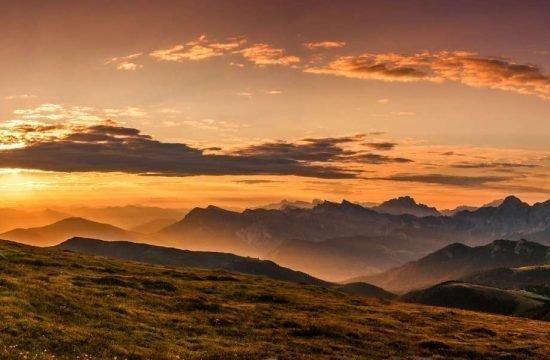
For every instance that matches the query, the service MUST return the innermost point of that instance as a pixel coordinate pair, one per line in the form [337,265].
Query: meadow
[62,305]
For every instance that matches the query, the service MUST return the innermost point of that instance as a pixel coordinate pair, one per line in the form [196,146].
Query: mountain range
[366,240]
[334,241]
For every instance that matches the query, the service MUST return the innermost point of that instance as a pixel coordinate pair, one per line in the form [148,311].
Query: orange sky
[242,103]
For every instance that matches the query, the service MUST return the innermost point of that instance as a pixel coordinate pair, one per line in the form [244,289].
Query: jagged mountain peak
[406,205]
[512,202]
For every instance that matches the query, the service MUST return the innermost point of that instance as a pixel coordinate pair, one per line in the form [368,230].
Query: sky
[240,103]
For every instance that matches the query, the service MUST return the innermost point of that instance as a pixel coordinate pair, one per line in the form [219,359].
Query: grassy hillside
[462,295]
[524,278]
[80,306]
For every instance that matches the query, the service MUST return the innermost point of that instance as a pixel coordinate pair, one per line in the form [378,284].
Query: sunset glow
[359,113]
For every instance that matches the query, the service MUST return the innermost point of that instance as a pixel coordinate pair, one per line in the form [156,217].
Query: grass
[58,305]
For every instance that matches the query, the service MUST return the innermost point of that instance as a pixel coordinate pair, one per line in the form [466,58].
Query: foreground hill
[458,260]
[68,305]
[184,258]
[467,296]
[57,232]
[208,260]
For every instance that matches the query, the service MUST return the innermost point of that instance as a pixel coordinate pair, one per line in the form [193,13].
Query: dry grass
[65,305]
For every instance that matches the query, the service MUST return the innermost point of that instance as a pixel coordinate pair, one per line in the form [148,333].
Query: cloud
[264,54]
[199,49]
[325,45]
[441,179]
[109,147]
[465,67]
[256,181]
[377,159]
[246,94]
[381,145]
[124,63]
[83,114]
[129,66]
[383,101]
[493,165]
[213,125]
[320,150]
[393,113]
[20,97]
[273,92]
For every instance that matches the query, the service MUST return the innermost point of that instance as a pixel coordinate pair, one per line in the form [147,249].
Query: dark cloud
[113,148]
[311,149]
[442,179]
[375,159]
[494,165]
[381,145]
[256,181]
[321,150]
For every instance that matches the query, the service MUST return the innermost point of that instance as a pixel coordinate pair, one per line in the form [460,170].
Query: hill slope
[60,231]
[184,258]
[531,278]
[462,295]
[456,261]
[73,305]
[208,260]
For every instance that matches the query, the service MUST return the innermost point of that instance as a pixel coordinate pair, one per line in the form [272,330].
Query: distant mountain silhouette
[14,218]
[153,226]
[55,233]
[494,203]
[406,205]
[511,219]
[458,260]
[285,204]
[348,235]
[260,231]
[456,294]
[332,234]
[452,212]
[341,258]
[126,217]
[207,260]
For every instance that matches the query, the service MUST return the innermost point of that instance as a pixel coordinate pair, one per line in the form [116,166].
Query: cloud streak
[264,54]
[442,179]
[199,49]
[458,66]
[325,45]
